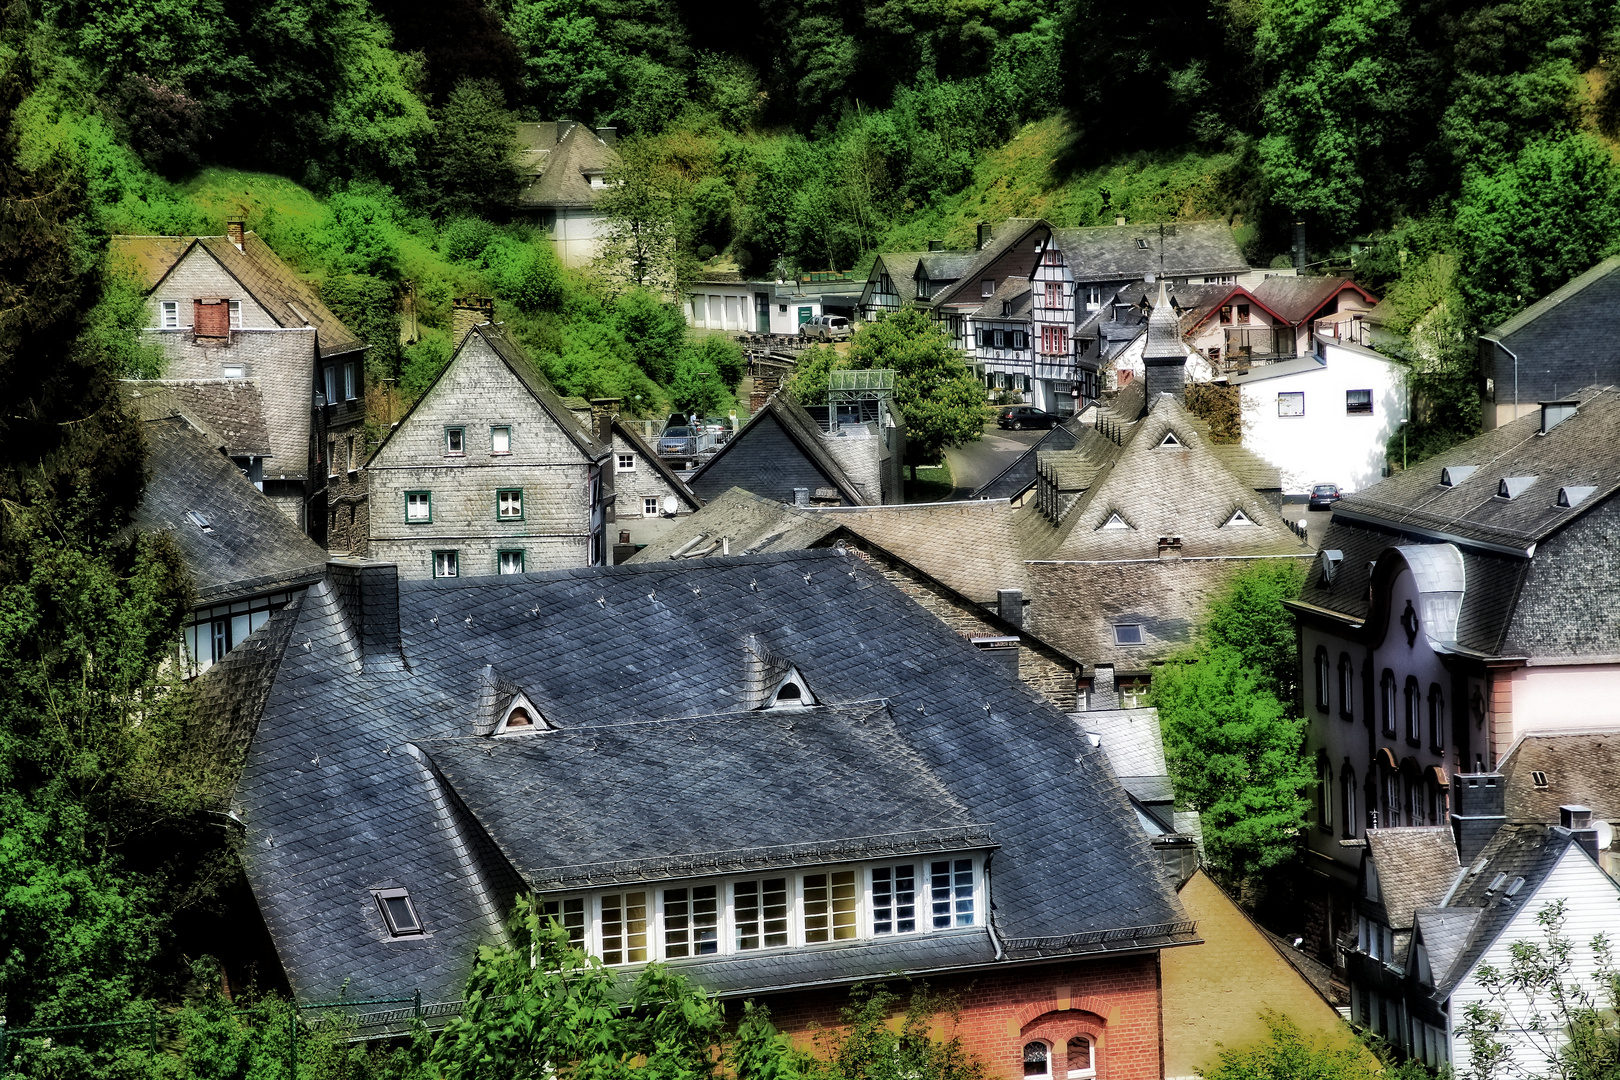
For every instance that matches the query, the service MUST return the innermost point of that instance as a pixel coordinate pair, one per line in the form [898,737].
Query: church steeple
[1164,359]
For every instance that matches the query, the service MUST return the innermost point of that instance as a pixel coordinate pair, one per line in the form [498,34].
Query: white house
[1326,417]
[567,166]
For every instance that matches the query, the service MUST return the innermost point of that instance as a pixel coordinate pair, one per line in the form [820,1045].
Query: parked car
[1019,417]
[675,440]
[1323,496]
[825,328]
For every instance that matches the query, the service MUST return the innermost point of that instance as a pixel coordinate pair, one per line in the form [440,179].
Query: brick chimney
[211,317]
[984,231]
[1478,809]
[603,410]
[235,228]
[468,312]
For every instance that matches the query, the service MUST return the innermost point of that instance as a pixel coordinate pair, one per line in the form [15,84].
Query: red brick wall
[1113,1001]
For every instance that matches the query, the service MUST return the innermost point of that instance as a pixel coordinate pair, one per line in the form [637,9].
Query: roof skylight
[398,913]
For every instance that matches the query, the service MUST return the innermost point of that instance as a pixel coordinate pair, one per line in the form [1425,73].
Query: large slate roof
[1580,769]
[1298,299]
[1416,867]
[965,289]
[804,433]
[231,410]
[559,166]
[248,547]
[1563,340]
[362,772]
[753,524]
[1113,252]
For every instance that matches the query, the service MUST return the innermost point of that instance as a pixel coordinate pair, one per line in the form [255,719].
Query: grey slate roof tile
[1113,252]
[230,409]
[1416,867]
[1580,769]
[337,804]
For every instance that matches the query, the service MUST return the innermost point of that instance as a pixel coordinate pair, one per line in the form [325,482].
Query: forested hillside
[1467,150]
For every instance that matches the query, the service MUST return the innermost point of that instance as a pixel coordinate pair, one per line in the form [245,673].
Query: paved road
[1316,521]
[975,464]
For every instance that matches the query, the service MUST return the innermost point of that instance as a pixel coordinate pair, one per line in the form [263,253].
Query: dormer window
[1141,244]
[1170,439]
[1511,487]
[1452,475]
[1238,518]
[398,913]
[987,288]
[1114,522]
[1571,497]
[521,718]
[1006,308]
[791,693]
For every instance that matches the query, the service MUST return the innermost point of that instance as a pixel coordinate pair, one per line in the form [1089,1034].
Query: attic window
[791,693]
[1452,475]
[1570,497]
[521,718]
[398,913]
[1511,487]
[987,287]
[1514,886]
[1539,779]
[1141,244]
[1238,518]
[199,521]
[1114,522]
[1128,634]
[1170,439]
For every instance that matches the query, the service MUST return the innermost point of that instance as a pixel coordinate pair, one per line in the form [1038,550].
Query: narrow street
[975,464]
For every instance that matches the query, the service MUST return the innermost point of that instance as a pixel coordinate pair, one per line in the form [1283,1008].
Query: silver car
[825,328]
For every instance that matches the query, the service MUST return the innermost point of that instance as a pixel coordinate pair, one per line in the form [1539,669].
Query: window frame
[494,451]
[395,931]
[1353,407]
[352,459]
[454,562]
[422,520]
[1412,705]
[1141,635]
[501,517]
[650,506]
[461,434]
[1046,1056]
[894,920]
[351,383]
[501,553]
[329,383]
[1089,1069]
[1293,396]
[169,315]
[1347,691]
[987,288]
[619,462]
[1324,794]
[1347,799]
[1391,704]
[1437,718]
[1324,675]
[233,314]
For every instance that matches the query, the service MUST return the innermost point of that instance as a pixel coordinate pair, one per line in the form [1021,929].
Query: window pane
[1035,1059]
[571,913]
[418,506]
[691,918]
[829,906]
[1080,1057]
[444,564]
[894,900]
[624,928]
[510,504]
[952,893]
[452,440]
[401,918]
[349,390]
[511,562]
[761,913]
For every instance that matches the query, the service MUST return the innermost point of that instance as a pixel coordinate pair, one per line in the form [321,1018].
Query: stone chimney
[603,410]
[1010,606]
[1164,360]
[468,312]
[1169,547]
[368,594]
[1103,694]
[609,135]
[235,228]
[1578,820]
[936,245]
[1478,809]
[801,496]
[984,235]
[1119,219]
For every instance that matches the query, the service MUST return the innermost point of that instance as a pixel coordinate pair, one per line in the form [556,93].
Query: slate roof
[249,546]
[1416,867]
[1015,290]
[231,411]
[804,432]
[559,166]
[1009,235]
[363,774]
[1563,340]
[1581,769]
[1135,747]
[286,297]
[901,266]
[971,547]
[753,524]
[1300,299]
[1445,933]
[1112,253]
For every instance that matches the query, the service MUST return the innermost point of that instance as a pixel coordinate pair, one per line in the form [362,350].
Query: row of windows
[1408,705]
[1055,340]
[1402,798]
[169,314]
[455,440]
[1000,339]
[219,629]
[448,563]
[419,505]
[1356,403]
[632,926]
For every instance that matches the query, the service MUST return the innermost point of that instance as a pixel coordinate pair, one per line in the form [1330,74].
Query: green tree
[697,388]
[1289,1054]
[570,68]
[1234,754]
[640,247]
[475,168]
[654,330]
[1248,616]
[942,402]
[723,356]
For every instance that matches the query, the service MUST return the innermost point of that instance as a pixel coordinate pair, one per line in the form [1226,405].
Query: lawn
[931,485]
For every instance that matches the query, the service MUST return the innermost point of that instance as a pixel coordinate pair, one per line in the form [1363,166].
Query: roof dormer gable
[504,708]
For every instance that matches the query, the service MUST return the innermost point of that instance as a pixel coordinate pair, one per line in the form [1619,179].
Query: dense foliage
[1231,740]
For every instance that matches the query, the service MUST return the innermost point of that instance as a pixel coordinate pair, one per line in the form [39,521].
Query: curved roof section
[1441,580]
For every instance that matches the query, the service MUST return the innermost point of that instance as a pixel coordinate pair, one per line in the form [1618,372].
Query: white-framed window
[987,287]
[1037,1061]
[446,564]
[419,506]
[235,309]
[649,506]
[509,562]
[627,463]
[951,892]
[570,912]
[233,371]
[829,907]
[624,927]
[692,921]
[351,381]
[894,899]
[169,314]
[760,913]
[509,504]
[500,439]
[1291,403]
[1082,1063]
[455,441]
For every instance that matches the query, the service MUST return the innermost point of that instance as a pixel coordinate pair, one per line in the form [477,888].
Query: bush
[526,274]
[465,238]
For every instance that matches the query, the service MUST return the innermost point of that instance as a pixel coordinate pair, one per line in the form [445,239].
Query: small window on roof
[1452,475]
[791,692]
[398,913]
[1170,439]
[1569,497]
[1128,634]
[1141,244]
[199,520]
[1539,779]
[1514,886]
[1511,487]
[1114,522]
[1238,518]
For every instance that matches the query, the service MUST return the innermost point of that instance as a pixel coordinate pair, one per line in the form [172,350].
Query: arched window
[1437,719]
[1081,1062]
[1387,686]
[1413,695]
[1347,794]
[1412,793]
[1347,694]
[1037,1059]
[1324,794]
[1321,679]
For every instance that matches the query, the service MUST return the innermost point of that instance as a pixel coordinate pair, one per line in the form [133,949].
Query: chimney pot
[1010,606]
[235,228]
[801,496]
[1119,219]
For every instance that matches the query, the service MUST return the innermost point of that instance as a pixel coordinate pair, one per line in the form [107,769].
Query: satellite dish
[1605,833]
[670,505]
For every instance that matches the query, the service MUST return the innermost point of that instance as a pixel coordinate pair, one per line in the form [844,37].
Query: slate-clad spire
[1164,360]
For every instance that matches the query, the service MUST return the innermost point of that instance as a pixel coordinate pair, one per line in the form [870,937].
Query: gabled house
[1002,349]
[1560,342]
[782,453]
[1002,253]
[490,473]
[1306,302]
[245,558]
[567,165]
[226,307]
[797,806]
[898,278]
[649,498]
[1453,609]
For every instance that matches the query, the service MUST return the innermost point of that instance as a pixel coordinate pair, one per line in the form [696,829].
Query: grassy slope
[1021,179]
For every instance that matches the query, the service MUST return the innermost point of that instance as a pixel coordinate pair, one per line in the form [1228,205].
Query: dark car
[1323,496]
[675,440]
[1019,417]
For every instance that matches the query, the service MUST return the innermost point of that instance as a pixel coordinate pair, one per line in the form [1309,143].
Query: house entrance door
[762,313]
